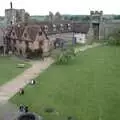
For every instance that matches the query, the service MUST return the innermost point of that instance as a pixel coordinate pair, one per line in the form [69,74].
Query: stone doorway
[96,31]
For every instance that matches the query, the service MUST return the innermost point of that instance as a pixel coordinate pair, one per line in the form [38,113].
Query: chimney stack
[11,5]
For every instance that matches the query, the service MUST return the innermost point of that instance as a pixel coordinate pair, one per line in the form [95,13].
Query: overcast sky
[42,7]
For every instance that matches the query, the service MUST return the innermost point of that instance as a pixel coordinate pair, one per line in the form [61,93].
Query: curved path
[9,89]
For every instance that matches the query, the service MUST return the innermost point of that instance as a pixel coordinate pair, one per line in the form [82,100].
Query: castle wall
[14,15]
[9,14]
[108,27]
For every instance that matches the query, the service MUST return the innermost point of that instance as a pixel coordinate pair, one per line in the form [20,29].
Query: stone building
[34,34]
[30,37]
[102,28]
[14,16]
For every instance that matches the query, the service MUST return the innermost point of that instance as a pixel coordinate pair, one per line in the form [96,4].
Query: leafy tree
[117,17]
[86,18]
[58,16]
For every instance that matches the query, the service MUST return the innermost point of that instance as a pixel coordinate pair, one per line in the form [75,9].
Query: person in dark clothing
[21,91]
[69,118]
[21,108]
[26,109]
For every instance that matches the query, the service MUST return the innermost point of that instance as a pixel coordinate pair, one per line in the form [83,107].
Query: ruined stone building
[14,16]
[102,28]
[30,37]
[19,37]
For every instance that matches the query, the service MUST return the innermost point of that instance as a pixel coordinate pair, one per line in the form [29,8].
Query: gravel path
[9,89]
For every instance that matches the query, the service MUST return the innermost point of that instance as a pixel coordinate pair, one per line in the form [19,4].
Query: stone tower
[96,18]
[13,16]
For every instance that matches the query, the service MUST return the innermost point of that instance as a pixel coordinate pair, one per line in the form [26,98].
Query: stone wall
[107,28]
[14,15]
[1,38]
[9,16]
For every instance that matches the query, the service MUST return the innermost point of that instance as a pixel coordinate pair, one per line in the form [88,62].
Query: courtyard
[86,89]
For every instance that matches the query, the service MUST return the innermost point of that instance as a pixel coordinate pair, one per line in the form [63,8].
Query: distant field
[87,89]
[8,69]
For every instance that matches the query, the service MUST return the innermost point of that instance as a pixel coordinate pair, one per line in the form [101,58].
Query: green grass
[87,89]
[8,69]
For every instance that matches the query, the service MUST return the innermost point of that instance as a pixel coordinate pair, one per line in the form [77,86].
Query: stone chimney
[11,5]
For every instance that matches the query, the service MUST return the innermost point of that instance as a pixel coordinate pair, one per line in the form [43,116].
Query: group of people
[24,108]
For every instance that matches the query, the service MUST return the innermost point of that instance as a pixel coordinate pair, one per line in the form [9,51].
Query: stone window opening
[54,27]
[40,33]
[25,34]
[14,41]
[13,33]
[20,41]
[46,28]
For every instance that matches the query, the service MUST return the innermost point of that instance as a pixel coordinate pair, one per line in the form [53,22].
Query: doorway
[96,31]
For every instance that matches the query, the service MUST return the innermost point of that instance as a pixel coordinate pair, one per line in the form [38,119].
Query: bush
[34,54]
[65,56]
[114,38]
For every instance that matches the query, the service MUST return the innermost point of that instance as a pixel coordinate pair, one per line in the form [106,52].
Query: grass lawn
[8,69]
[87,89]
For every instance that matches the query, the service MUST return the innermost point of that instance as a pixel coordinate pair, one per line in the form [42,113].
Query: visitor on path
[21,91]
[32,82]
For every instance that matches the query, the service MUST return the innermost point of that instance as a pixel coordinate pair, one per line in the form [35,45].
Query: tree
[58,16]
[117,17]
[86,18]
[114,38]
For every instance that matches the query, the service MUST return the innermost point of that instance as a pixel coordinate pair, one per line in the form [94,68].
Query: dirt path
[9,89]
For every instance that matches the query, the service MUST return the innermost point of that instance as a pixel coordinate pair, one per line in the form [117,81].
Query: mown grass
[9,70]
[87,89]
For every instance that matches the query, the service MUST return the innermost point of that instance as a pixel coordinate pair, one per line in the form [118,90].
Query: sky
[81,7]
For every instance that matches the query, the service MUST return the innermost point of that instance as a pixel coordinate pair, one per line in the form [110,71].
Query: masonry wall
[1,38]
[109,27]
[9,13]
